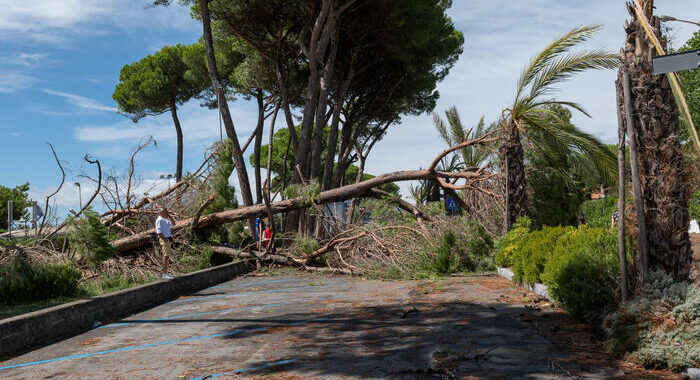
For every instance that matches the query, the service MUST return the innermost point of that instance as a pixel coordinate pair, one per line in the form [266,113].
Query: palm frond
[560,45]
[456,127]
[442,129]
[563,67]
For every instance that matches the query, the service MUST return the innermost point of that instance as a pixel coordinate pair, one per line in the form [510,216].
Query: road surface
[291,327]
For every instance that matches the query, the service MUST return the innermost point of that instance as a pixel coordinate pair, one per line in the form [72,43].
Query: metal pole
[636,182]
[622,251]
[9,218]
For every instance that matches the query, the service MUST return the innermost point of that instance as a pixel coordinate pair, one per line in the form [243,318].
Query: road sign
[676,62]
[450,204]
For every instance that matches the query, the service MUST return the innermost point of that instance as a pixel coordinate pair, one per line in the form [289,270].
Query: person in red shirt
[267,235]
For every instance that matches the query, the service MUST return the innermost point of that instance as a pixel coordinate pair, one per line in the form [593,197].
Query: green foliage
[694,206]
[444,261]
[552,199]
[20,198]
[583,272]
[303,245]
[196,260]
[661,325]
[454,132]
[308,192]
[690,83]
[224,193]
[599,212]
[507,247]
[156,83]
[22,281]
[112,283]
[580,266]
[544,122]
[534,251]
[89,238]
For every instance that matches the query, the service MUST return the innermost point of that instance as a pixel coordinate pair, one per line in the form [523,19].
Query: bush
[660,326]
[583,272]
[536,249]
[22,281]
[302,245]
[89,237]
[506,247]
[599,212]
[113,283]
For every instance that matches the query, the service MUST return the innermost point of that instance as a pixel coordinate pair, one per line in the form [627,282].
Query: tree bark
[654,119]
[257,146]
[178,132]
[238,159]
[514,166]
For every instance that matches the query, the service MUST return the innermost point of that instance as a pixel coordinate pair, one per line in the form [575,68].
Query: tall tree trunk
[178,132]
[238,160]
[257,146]
[514,165]
[660,165]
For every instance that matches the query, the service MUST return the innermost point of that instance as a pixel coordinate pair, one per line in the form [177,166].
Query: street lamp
[671,18]
[80,194]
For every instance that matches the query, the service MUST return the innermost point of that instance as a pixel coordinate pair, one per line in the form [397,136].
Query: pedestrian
[163,224]
[267,236]
[259,228]
[614,218]
[581,219]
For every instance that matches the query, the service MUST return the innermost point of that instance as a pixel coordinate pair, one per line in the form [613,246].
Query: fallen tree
[471,176]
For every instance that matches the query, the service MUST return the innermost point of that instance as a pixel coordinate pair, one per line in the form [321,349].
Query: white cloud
[56,22]
[12,81]
[26,59]
[81,101]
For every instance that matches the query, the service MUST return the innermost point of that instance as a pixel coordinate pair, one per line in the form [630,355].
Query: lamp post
[80,194]
[671,18]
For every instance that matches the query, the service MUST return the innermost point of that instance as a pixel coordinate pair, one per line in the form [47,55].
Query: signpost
[450,204]
[688,60]
[9,218]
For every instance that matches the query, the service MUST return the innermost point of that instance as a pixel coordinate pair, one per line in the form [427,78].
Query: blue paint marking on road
[194,315]
[244,293]
[254,283]
[247,369]
[176,341]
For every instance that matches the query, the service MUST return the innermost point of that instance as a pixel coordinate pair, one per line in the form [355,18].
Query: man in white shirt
[163,223]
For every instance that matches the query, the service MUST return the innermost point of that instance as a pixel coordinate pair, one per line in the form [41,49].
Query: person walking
[163,224]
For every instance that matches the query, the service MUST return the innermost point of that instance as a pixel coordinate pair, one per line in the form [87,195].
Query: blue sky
[60,61]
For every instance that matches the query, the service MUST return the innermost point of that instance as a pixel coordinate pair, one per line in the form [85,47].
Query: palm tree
[474,155]
[531,113]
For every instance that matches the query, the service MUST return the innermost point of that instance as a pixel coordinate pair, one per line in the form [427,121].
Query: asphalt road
[321,327]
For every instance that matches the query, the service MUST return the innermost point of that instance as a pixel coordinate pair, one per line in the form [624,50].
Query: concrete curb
[539,289]
[59,322]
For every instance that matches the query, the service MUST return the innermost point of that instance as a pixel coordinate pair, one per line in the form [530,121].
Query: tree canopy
[20,202]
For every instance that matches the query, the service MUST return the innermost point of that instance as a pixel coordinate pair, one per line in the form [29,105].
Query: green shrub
[303,245]
[599,212]
[583,273]
[89,238]
[444,260]
[661,325]
[112,283]
[694,206]
[506,246]
[22,281]
[530,258]
[196,260]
